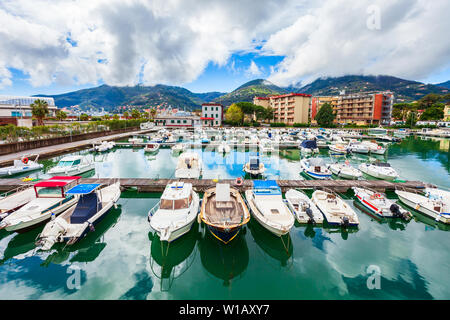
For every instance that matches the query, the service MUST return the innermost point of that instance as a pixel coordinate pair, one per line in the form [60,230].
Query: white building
[212,115]
[178,119]
[16,110]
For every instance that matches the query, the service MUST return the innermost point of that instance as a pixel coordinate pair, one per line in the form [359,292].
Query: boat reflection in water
[343,231]
[271,245]
[88,248]
[20,244]
[224,261]
[168,261]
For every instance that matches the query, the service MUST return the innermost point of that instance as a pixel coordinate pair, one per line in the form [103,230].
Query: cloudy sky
[54,46]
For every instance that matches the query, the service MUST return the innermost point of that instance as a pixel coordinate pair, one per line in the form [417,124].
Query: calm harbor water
[122,259]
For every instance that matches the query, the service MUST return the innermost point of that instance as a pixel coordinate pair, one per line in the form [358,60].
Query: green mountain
[444,84]
[404,90]
[246,92]
[110,97]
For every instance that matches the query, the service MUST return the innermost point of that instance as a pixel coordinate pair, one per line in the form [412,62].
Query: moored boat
[309,146]
[189,166]
[337,149]
[380,170]
[72,165]
[315,168]
[345,170]
[254,166]
[104,146]
[94,202]
[51,200]
[334,209]
[151,147]
[268,208]
[224,212]
[378,204]
[175,213]
[14,200]
[304,209]
[21,166]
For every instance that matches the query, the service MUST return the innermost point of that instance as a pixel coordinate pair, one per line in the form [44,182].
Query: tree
[234,113]
[153,113]
[432,113]
[135,114]
[246,107]
[116,117]
[325,116]
[429,100]
[61,115]
[411,119]
[145,115]
[269,113]
[126,115]
[84,117]
[39,110]
[106,117]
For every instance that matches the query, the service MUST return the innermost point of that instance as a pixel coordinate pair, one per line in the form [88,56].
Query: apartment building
[212,114]
[288,108]
[365,108]
[319,101]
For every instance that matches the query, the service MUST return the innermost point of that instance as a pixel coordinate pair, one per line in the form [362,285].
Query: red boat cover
[57,181]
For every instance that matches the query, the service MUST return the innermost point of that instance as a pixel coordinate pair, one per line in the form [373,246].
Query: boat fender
[199,219]
[239,181]
[91,226]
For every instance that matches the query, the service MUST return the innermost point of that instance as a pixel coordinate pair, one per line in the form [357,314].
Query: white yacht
[380,170]
[94,202]
[51,200]
[72,165]
[175,213]
[189,165]
[315,168]
[374,147]
[357,147]
[335,210]
[268,208]
[21,166]
[345,170]
[304,209]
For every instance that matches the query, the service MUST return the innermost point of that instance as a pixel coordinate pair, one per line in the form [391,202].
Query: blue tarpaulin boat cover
[309,144]
[83,188]
[87,206]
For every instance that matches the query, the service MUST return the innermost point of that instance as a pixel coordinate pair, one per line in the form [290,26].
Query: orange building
[288,108]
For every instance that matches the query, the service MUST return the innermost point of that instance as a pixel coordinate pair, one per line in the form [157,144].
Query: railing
[153,210]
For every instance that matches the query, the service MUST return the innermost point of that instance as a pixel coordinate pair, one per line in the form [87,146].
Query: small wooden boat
[94,202]
[267,206]
[304,209]
[175,213]
[315,168]
[254,167]
[151,147]
[21,166]
[224,212]
[380,170]
[51,200]
[334,209]
[378,204]
[435,204]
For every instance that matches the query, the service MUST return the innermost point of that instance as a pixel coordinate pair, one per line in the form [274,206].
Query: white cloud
[123,42]
[333,39]
[253,69]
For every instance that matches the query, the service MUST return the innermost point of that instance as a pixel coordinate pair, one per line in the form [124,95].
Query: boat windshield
[174,204]
[46,192]
[65,163]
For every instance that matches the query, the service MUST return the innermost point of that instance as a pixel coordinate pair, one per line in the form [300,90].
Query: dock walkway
[158,185]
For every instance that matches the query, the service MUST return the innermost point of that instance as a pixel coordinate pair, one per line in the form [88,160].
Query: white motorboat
[379,170]
[268,208]
[72,165]
[105,146]
[337,149]
[378,204]
[14,200]
[304,209]
[94,202]
[334,209]
[179,147]
[345,170]
[266,146]
[309,147]
[151,147]
[435,204]
[224,212]
[357,147]
[175,213]
[374,147]
[21,166]
[315,168]
[50,200]
[254,167]
[189,165]
[147,125]
[223,147]
[135,140]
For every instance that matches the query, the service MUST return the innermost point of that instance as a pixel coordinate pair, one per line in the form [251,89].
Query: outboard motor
[395,209]
[310,215]
[345,221]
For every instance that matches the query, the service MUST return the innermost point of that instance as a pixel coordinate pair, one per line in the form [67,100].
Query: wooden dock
[158,185]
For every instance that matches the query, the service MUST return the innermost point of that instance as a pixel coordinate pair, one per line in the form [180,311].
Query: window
[174,204]
[16,114]
[217,108]
[172,121]
[217,122]
[184,121]
[217,116]
[178,121]
[77,162]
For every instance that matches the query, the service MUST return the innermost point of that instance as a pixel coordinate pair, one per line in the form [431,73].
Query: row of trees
[432,104]
[239,112]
